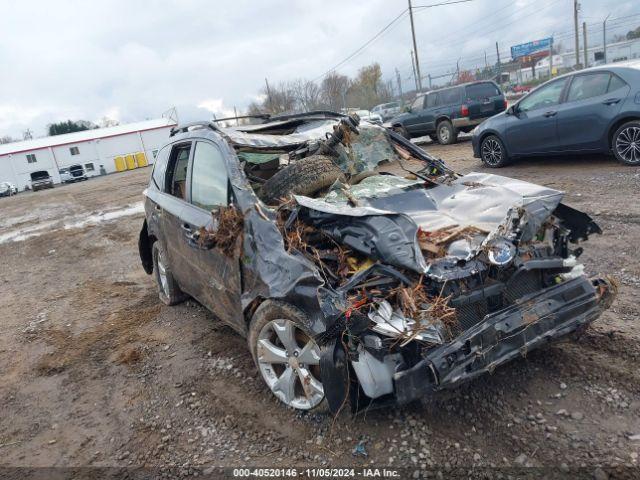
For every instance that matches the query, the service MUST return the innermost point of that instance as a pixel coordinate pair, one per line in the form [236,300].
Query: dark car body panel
[579,126]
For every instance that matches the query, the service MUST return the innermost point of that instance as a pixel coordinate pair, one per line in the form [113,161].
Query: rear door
[449,103]
[593,100]
[215,275]
[533,128]
[171,203]
[483,100]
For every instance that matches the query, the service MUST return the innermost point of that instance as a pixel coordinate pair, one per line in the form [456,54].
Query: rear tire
[445,133]
[168,289]
[304,177]
[492,152]
[625,143]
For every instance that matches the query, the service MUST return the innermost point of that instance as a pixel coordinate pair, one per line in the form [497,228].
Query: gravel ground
[95,371]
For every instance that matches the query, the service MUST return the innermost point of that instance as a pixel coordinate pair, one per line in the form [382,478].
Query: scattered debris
[359,450]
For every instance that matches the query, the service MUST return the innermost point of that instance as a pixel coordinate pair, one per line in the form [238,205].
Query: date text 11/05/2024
[315,473]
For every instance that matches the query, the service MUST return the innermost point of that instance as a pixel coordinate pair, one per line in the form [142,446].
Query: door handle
[552,113]
[157,207]
[611,101]
[186,228]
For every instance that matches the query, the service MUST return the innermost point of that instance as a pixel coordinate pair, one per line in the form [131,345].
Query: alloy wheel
[289,361]
[491,151]
[444,134]
[628,144]
[162,276]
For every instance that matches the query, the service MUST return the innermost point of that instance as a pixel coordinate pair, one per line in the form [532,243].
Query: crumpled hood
[479,200]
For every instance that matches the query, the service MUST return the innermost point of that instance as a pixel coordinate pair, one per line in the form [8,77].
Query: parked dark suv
[443,113]
[359,267]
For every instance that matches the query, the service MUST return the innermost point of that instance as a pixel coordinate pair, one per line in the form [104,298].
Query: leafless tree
[333,91]
[307,95]
[7,139]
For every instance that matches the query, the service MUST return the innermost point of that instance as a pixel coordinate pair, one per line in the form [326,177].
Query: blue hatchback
[596,110]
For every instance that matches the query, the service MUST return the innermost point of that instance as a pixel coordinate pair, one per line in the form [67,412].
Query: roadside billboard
[532,50]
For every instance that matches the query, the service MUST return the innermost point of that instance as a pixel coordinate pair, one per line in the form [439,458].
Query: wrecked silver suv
[359,267]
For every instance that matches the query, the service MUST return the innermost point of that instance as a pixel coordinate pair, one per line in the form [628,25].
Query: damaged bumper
[533,321]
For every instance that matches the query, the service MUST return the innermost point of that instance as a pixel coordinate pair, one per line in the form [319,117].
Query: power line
[365,45]
[441,4]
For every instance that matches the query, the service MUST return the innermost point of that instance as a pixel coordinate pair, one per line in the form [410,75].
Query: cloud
[86,60]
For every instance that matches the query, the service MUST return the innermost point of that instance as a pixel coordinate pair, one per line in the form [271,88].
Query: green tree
[69,127]
[633,34]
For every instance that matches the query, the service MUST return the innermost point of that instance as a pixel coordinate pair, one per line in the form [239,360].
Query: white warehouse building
[110,149]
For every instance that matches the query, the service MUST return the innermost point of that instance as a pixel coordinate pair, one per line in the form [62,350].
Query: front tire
[492,152]
[168,289]
[286,355]
[401,130]
[626,143]
[446,133]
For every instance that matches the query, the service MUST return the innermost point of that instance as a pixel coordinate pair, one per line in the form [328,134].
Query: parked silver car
[387,110]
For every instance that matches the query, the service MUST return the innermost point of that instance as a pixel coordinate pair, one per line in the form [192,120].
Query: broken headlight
[501,252]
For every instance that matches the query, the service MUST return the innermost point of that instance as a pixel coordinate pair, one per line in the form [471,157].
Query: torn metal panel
[392,323]
[534,320]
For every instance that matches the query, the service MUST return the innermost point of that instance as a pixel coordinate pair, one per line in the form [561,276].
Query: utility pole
[399,80]
[415,77]
[575,25]
[415,46]
[584,40]
[499,66]
[458,71]
[604,37]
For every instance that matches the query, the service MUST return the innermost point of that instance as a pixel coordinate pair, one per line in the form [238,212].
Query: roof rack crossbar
[186,126]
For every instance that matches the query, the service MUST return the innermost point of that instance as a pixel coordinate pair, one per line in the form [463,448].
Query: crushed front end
[424,278]
[428,286]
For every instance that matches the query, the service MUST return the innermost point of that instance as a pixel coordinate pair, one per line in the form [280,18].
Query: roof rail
[313,113]
[264,116]
[190,126]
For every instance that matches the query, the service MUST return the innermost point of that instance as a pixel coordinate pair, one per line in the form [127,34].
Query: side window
[545,96]
[432,100]
[615,83]
[418,104]
[159,167]
[176,176]
[588,86]
[450,97]
[208,177]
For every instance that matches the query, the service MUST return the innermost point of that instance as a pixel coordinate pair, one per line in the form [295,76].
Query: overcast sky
[132,60]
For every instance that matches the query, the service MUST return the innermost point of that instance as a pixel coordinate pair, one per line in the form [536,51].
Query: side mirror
[512,110]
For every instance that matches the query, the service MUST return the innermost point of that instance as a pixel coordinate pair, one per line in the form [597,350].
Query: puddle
[72,222]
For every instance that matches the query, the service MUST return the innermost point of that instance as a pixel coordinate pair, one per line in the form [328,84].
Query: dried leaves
[228,233]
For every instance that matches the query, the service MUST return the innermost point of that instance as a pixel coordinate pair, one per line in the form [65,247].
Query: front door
[215,274]
[533,127]
[593,101]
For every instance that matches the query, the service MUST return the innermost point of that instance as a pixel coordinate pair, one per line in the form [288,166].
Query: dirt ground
[95,371]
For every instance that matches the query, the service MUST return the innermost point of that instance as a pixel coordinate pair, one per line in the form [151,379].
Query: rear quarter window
[159,167]
[450,97]
[480,91]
